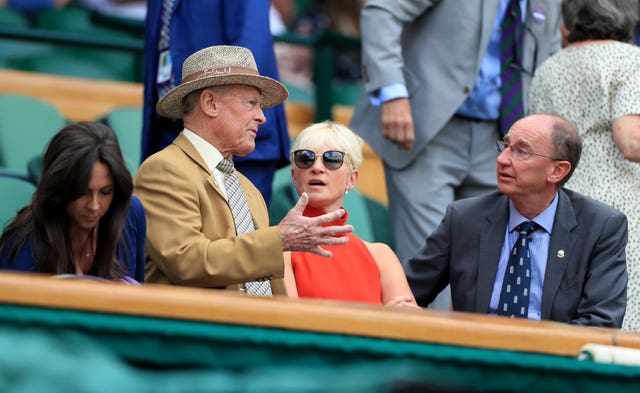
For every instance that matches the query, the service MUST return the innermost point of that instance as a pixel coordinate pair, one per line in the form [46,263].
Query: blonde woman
[325,159]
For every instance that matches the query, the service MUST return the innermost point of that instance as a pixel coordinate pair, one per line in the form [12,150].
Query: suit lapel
[187,147]
[560,247]
[537,13]
[489,15]
[255,202]
[491,239]
[536,25]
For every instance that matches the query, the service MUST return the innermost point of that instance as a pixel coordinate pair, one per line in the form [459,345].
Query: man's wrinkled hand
[300,233]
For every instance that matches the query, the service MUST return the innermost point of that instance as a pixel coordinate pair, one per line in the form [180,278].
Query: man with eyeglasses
[207,224]
[575,264]
[442,80]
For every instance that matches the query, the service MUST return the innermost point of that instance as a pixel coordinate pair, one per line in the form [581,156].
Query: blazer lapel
[489,15]
[187,147]
[560,247]
[491,239]
[536,25]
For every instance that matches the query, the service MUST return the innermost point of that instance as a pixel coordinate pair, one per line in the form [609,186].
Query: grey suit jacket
[435,48]
[585,281]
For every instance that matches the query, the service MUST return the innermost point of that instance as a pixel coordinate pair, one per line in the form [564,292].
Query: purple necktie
[511,40]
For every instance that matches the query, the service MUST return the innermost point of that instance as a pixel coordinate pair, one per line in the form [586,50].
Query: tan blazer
[191,236]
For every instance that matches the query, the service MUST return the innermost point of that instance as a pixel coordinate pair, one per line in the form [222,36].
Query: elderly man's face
[521,174]
[240,114]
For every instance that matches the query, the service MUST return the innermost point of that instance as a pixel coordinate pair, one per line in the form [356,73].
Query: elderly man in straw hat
[207,224]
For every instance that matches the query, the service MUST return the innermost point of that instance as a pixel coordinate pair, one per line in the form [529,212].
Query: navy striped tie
[511,41]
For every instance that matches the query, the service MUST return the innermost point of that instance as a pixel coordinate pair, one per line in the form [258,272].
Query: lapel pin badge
[560,254]
[539,14]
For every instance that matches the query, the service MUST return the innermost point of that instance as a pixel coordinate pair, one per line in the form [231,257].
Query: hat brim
[272,91]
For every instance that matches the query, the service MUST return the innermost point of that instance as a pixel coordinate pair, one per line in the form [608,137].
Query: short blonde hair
[334,135]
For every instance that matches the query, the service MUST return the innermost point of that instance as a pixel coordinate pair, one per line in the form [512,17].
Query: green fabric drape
[65,350]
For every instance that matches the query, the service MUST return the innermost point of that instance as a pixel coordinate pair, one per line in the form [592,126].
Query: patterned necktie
[514,298]
[511,41]
[163,47]
[165,19]
[242,218]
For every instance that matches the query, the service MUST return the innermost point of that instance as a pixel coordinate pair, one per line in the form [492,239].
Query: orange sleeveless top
[351,274]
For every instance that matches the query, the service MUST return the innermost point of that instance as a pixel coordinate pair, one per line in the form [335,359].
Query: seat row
[72,60]
[26,125]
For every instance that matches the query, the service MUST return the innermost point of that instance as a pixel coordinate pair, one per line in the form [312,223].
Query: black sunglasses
[332,159]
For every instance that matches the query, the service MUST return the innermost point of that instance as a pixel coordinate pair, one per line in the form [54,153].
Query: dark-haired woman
[82,219]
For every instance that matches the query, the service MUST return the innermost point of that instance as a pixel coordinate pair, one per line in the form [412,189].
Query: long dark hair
[67,165]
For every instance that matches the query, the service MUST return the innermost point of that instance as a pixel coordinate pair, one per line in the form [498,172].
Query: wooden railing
[450,328]
[78,99]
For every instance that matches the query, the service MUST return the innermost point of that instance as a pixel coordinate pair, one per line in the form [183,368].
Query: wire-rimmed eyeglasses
[521,154]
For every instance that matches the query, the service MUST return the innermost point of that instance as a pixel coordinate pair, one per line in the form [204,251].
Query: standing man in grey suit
[577,259]
[432,96]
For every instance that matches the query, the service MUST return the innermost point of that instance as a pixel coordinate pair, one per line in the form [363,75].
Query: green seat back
[15,193]
[346,93]
[74,18]
[67,64]
[100,63]
[12,50]
[127,124]
[26,125]
[379,216]
[34,169]
[283,195]
[300,94]
[11,17]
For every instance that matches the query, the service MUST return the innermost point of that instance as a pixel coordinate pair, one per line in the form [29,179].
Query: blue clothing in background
[197,24]
[134,235]
[638,28]
[130,249]
[30,5]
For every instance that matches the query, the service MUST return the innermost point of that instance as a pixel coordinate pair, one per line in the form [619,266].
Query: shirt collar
[544,219]
[209,153]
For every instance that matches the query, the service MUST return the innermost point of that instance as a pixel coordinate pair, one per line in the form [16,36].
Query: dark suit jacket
[197,24]
[585,284]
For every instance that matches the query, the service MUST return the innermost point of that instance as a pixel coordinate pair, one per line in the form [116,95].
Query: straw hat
[216,66]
